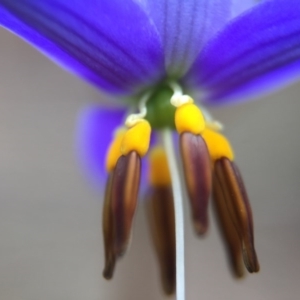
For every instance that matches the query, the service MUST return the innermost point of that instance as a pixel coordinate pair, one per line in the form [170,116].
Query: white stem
[179,218]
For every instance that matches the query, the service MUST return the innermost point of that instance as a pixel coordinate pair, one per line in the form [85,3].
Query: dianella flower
[165,62]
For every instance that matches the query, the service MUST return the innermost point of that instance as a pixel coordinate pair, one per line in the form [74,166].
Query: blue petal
[94,134]
[239,6]
[256,53]
[110,43]
[184,27]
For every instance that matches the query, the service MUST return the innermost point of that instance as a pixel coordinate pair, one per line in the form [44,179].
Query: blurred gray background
[51,241]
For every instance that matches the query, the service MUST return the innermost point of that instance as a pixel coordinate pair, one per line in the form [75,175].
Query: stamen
[178,99]
[190,124]
[162,221]
[124,193]
[218,145]
[114,150]
[239,209]
[161,216]
[159,174]
[133,119]
[188,118]
[197,173]
[137,138]
[179,218]
[228,231]
[108,232]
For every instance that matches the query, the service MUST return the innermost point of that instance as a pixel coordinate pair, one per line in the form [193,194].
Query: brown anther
[239,209]
[108,232]
[124,193]
[162,221]
[228,231]
[197,172]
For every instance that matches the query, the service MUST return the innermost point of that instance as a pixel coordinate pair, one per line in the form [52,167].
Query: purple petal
[239,6]
[256,53]
[94,134]
[184,27]
[110,43]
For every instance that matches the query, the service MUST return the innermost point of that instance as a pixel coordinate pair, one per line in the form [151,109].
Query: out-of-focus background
[50,233]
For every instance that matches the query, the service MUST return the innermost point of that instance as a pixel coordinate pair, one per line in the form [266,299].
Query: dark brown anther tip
[238,267]
[228,231]
[125,187]
[108,232]
[109,268]
[160,208]
[239,209]
[197,173]
[250,258]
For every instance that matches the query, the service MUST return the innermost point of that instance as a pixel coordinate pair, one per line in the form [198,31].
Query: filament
[178,98]
[132,119]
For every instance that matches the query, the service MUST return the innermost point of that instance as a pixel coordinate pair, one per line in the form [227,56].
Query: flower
[146,52]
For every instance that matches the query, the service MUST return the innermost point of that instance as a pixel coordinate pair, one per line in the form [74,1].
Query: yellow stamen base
[159,174]
[114,152]
[189,117]
[137,138]
[217,144]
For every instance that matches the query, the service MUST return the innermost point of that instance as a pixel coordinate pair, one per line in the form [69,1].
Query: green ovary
[160,112]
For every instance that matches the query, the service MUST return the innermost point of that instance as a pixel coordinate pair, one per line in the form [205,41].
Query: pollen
[217,144]
[137,138]
[189,117]
[114,151]
[159,174]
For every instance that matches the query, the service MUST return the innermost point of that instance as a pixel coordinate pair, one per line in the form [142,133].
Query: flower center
[208,168]
[160,112]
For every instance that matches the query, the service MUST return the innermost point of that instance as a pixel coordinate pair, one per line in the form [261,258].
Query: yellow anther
[159,174]
[114,150]
[217,144]
[189,117]
[137,138]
